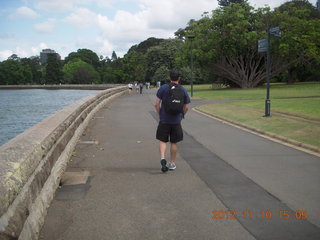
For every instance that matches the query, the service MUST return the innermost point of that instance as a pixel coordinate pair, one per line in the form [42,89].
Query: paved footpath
[221,171]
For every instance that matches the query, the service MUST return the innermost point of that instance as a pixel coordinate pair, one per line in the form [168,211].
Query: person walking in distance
[172,103]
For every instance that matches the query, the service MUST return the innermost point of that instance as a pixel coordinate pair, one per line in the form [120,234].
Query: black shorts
[169,132]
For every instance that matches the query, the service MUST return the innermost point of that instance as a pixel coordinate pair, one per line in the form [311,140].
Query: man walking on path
[169,128]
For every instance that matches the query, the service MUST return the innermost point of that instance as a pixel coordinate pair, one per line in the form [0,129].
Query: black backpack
[173,104]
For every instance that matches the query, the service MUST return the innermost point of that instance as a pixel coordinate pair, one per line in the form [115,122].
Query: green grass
[294,118]
[276,91]
[303,107]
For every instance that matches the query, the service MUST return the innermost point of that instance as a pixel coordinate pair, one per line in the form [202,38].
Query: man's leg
[163,161]
[162,148]
[173,152]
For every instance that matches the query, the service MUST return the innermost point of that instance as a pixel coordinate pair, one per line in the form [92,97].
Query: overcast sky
[28,26]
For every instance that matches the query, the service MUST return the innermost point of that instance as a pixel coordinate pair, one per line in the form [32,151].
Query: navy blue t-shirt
[165,117]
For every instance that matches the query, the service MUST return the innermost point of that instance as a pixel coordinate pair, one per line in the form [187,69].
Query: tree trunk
[246,71]
[249,70]
[292,75]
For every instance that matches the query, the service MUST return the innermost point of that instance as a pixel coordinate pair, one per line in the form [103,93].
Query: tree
[135,65]
[163,55]
[226,44]
[14,57]
[299,22]
[85,55]
[34,64]
[114,56]
[53,74]
[135,61]
[80,72]
[225,3]
[161,74]
[13,72]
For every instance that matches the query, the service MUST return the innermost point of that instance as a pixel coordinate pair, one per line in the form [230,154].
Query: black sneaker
[164,167]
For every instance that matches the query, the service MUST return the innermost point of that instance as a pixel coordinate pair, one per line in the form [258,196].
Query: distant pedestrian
[141,87]
[158,84]
[137,87]
[169,128]
[130,86]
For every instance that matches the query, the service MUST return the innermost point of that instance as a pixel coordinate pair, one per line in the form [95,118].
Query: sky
[103,26]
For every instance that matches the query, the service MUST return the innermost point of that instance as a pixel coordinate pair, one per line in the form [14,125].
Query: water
[21,109]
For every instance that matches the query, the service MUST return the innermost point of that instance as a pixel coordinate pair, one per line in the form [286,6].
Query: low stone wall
[31,165]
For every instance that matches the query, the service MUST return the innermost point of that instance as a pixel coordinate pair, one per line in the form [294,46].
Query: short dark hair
[174,75]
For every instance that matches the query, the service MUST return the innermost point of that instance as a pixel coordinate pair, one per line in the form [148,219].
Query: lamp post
[264,46]
[267,104]
[191,37]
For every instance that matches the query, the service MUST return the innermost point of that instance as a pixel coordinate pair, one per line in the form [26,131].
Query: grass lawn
[276,91]
[294,118]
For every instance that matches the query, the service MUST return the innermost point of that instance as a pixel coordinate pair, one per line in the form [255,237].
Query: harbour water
[21,109]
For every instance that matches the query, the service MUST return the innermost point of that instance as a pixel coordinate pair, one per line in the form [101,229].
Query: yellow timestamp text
[264,214]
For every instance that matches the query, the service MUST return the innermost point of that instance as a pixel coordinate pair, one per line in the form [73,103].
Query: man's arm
[157,105]
[185,109]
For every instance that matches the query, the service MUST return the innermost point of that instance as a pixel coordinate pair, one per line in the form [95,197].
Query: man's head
[175,75]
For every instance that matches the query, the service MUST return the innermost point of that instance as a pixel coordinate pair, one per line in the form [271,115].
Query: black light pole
[267,104]
[191,37]
[264,46]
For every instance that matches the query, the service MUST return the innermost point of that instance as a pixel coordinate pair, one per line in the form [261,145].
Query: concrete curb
[32,163]
[286,141]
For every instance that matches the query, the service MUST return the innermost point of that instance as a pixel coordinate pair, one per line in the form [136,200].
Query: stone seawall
[32,163]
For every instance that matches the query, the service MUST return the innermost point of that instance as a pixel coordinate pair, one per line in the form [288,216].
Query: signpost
[191,37]
[264,46]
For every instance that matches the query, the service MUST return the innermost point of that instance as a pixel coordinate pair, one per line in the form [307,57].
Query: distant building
[44,55]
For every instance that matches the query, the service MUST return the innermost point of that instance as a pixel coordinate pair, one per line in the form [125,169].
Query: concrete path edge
[271,136]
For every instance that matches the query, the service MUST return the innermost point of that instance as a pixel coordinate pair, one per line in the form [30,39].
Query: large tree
[53,73]
[299,22]
[225,43]
[135,61]
[13,72]
[85,55]
[80,72]
[34,64]
[163,55]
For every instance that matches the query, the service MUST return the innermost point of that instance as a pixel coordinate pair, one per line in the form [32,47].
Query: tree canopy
[80,72]
[224,48]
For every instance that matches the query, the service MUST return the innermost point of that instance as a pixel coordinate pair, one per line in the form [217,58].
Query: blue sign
[275,32]
[263,45]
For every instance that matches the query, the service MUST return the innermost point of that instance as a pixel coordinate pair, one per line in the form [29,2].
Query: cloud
[82,17]
[173,14]
[37,49]
[263,3]
[155,19]
[105,46]
[45,27]
[21,52]
[68,5]
[54,6]
[24,12]
[5,54]
[123,31]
